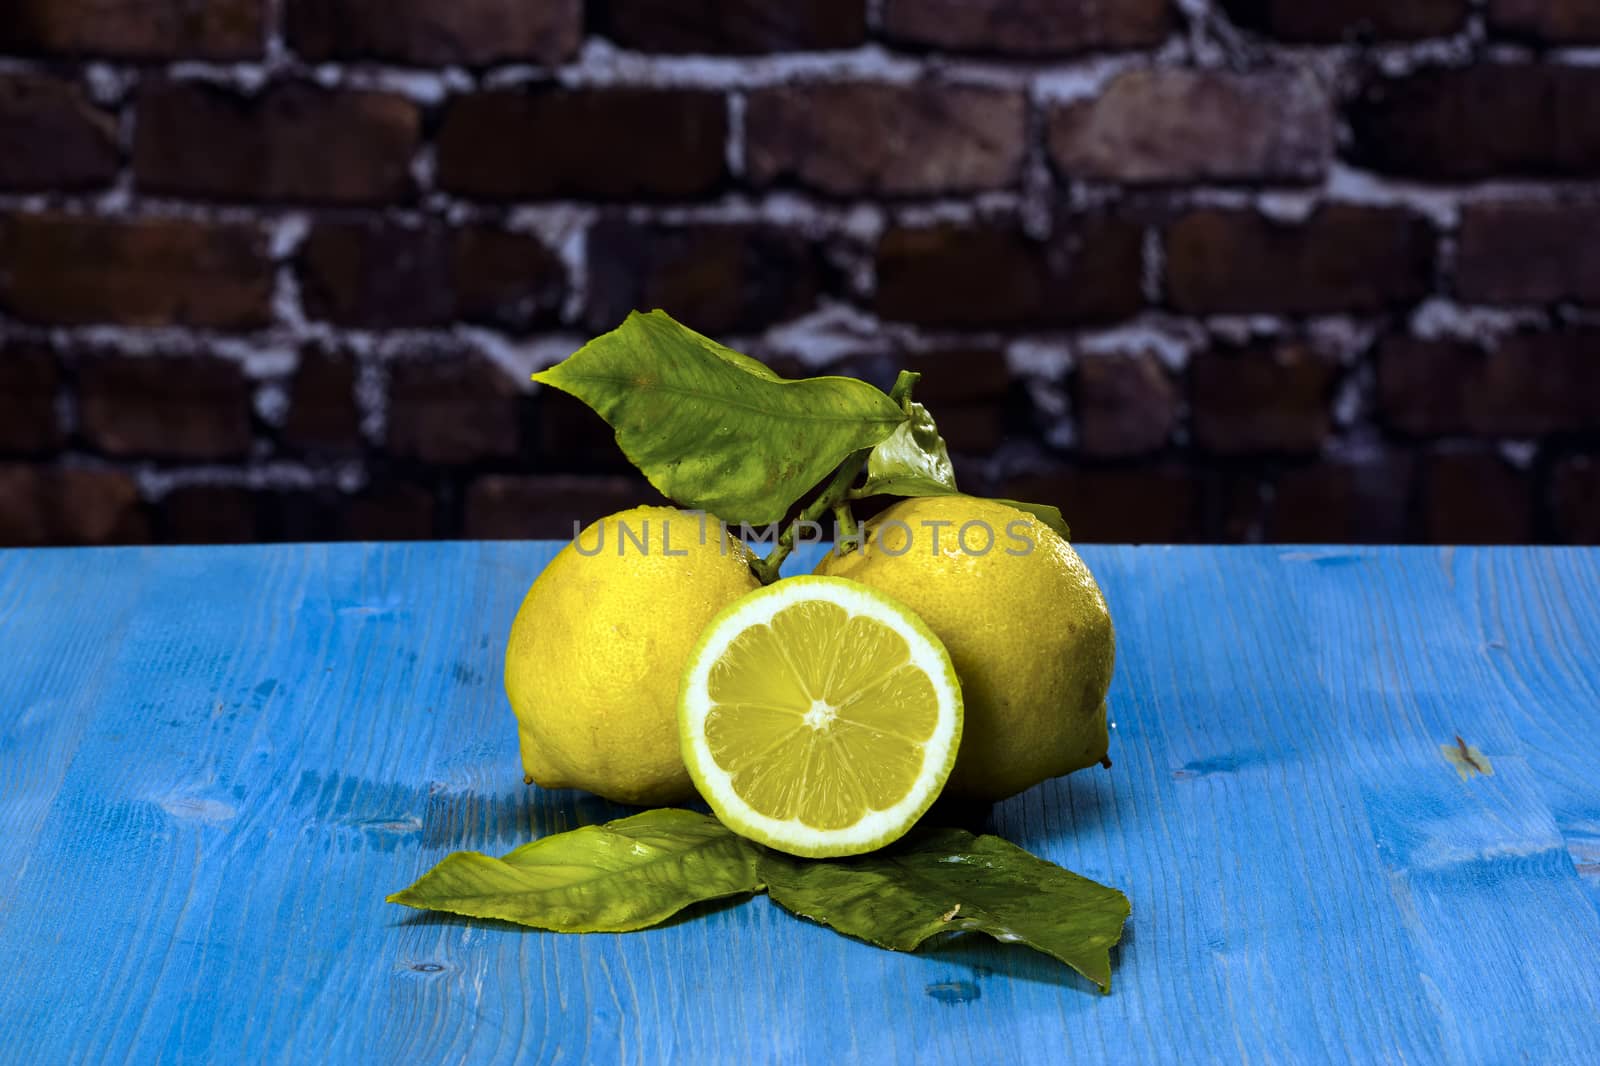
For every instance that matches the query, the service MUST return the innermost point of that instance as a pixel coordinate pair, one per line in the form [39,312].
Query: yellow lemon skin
[1025,624]
[598,648]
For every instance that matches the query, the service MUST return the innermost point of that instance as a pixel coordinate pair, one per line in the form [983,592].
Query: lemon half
[819,716]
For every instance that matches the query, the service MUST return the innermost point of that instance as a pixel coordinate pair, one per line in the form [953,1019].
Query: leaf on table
[949,881]
[911,461]
[626,874]
[717,430]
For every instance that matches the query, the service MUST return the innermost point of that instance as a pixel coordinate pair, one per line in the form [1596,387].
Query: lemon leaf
[914,461]
[950,881]
[911,461]
[716,430]
[1050,516]
[627,874]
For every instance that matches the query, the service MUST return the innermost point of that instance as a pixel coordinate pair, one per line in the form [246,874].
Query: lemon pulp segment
[819,716]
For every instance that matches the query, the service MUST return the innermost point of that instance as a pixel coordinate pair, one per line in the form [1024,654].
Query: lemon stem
[903,384]
[831,497]
[835,495]
[844,524]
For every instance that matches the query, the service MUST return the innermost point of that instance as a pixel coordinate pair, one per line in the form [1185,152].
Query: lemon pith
[819,717]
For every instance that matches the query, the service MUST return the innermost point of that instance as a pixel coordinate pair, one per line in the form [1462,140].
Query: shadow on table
[693,912]
[1078,803]
[473,821]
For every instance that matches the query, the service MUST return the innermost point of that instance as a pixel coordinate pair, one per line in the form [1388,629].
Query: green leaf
[627,874]
[717,430]
[1050,516]
[911,461]
[914,461]
[949,881]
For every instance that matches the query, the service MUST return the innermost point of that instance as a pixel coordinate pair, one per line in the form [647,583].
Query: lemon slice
[819,716]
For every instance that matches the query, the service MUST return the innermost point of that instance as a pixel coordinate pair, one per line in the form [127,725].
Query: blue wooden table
[215,762]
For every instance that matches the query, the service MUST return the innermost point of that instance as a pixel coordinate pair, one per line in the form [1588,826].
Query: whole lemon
[1025,624]
[599,645]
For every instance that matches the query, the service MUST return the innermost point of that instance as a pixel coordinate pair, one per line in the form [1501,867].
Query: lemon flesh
[819,717]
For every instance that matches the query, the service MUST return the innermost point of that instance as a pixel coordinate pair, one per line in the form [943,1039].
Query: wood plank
[1535,617]
[1477,867]
[1271,915]
[47,694]
[260,742]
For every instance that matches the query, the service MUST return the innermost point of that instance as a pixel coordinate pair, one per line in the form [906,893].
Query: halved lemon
[819,716]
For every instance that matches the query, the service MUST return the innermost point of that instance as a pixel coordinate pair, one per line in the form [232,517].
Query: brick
[1475,122]
[858,138]
[1350,501]
[295,141]
[1236,505]
[1528,384]
[452,410]
[218,514]
[1141,505]
[1343,258]
[151,272]
[1125,405]
[505,279]
[1475,498]
[298,516]
[502,507]
[1575,499]
[150,29]
[24,507]
[48,506]
[392,510]
[375,275]
[426,33]
[175,407]
[28,382]
[1529,253]
[1157,126]
[604,144]
[52,137]
[209,514]
[967,392]
[1546,21]
[1336,20]
[737,27]
[958,276]
[1271,397]
[717,279]
[571,437]
[323,416]
[1028,27]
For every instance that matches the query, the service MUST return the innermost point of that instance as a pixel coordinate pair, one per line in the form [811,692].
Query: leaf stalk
[835,496]
[831,497]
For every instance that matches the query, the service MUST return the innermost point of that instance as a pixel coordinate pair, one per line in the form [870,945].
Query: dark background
[1249,270]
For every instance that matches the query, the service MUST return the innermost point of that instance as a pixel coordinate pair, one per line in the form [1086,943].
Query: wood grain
[215,762]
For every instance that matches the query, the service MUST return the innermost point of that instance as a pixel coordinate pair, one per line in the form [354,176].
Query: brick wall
[1236,270]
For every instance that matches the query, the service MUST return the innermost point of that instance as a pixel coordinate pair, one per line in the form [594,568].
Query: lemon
[1024,621]
[819,717]
[598,648]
